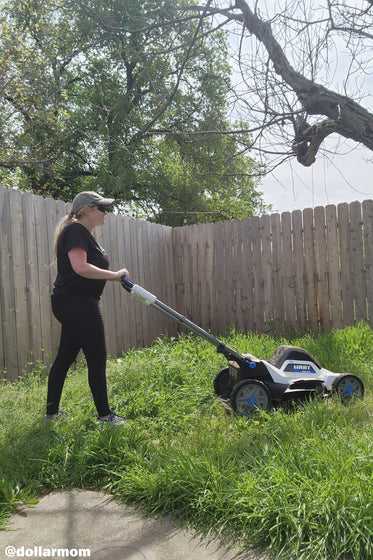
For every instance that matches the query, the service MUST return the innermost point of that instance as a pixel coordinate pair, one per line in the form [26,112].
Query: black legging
[82,328]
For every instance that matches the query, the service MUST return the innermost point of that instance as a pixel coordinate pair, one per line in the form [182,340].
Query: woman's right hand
[120,273]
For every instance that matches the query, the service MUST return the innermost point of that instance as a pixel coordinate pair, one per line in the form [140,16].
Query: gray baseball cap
[86,198]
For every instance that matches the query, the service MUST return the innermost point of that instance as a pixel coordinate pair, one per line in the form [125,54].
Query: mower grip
[137,291]
[127,283]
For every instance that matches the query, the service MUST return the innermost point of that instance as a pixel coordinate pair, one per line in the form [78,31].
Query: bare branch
[339,113]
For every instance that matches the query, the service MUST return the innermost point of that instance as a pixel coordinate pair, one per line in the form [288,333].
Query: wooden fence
[309,271]
[303,271]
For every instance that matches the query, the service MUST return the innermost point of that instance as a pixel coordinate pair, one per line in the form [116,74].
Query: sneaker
[112,419]
[57,416]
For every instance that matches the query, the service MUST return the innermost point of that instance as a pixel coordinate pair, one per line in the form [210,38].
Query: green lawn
[299,480]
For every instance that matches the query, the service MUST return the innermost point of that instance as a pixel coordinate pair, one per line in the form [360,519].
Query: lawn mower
[248,383]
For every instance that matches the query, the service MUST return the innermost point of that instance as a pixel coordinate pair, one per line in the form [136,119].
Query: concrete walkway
[81,524]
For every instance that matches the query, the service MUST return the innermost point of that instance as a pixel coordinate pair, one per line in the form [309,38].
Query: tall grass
[297,481]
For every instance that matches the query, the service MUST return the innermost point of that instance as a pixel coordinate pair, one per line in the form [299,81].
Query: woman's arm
[78,260]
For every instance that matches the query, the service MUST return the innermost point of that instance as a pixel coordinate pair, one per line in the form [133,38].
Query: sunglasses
[102,208]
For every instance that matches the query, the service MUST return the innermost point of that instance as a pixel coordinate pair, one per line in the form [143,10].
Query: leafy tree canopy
[124,98]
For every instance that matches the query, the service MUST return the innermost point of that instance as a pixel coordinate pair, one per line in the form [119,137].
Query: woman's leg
[82,328]
[67,354]
[94,348]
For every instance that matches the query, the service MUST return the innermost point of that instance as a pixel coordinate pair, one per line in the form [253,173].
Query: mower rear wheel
[250,395]
[348,387]
[223,384]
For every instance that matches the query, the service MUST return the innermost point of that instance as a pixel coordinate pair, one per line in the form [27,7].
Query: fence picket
[246,288]
[257,273]
[287,267]
[310,269]
[206,275]
[321,269]
[220,250]
[178,268]
[266,269]
[357,262]
[240,267]
[345,258]
[230,275]
[279,273]
[9,329]
[116,336]
[368,250]
[22,337]
[299,270]
[129,337]
[166,274]
[32,276]
[334,279]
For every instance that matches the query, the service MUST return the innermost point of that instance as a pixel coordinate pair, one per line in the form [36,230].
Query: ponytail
[65,221]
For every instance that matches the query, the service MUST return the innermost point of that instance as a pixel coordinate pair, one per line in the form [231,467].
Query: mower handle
[150,299]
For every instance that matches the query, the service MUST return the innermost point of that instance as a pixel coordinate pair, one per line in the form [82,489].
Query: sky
[344,177]
[343,171]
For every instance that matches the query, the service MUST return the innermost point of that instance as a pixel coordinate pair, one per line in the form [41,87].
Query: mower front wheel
[348,387]
[250,395]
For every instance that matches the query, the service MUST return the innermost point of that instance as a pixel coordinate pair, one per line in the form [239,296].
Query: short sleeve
[76,237]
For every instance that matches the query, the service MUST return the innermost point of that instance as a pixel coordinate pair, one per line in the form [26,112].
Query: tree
[293,90]
[116,96]
[206,181]
[39,135]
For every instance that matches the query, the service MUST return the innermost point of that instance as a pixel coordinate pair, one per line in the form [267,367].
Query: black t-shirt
[68,282]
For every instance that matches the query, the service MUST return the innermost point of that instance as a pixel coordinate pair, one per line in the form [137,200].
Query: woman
[82,271]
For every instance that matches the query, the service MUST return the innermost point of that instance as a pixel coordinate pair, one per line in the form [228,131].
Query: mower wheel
[250,395]
[348,387]
[223,384]
[286,352]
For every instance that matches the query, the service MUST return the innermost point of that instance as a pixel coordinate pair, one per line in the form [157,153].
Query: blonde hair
[64,222]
